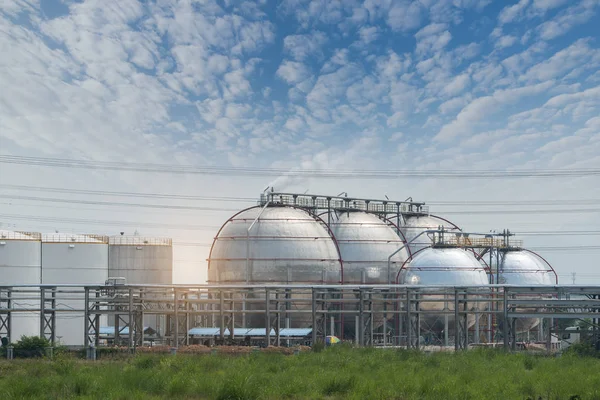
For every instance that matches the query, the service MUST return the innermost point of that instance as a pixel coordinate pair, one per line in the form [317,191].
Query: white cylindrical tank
[416,224]
[141,260]
[20,264]
[285,245]
[77,260]
[443,266]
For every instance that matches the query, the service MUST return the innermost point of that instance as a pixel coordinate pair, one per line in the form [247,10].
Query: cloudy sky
[428,85]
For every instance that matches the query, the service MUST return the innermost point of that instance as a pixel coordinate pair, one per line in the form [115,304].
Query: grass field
[336,373]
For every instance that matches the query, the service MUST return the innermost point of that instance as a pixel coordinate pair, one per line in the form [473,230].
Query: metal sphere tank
[274,245]
[522,267]
[366,241]
[443,266]
[21,264]
[416,224]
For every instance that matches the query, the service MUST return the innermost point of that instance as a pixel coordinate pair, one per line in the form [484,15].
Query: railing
[139,241]
[343,203]
[74,238]
[19,235]
[384,315]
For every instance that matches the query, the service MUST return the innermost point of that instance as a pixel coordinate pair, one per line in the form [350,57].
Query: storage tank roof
[14,235]
[73,238]
[448,266]
[120,240]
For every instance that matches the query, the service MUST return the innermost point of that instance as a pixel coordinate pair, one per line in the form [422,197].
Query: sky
[428,85]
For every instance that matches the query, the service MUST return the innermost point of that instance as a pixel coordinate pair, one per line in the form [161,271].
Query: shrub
[318,347]
[31,346]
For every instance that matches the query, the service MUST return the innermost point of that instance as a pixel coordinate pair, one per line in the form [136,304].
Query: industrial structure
[74,259]
[378,272]
[290,238]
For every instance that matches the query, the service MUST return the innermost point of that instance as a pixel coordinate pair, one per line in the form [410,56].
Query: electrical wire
[317,173]
[125,194]
[116,204]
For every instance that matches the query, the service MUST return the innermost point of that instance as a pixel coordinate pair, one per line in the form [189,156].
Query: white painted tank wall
[20,264]
[142,261]
[82,261]
[142,264]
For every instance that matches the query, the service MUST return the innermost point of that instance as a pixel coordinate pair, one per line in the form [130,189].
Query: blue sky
[429,84]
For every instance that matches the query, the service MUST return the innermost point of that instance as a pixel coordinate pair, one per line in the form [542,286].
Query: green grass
[335,373]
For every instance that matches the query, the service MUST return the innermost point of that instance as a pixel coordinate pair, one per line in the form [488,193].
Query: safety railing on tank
[20,235]
[342,203]
[74,238]
[452,240]
[139,241]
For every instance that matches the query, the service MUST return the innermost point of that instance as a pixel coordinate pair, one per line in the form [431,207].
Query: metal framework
[187,307]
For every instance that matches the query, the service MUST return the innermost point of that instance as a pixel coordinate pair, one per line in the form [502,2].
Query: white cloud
[432,38]
[568,19]
[368,34]
[301,47]
[505,41]
[293,72]
[483,107]
[457,85]
[578,56]
[405,16]
[512,13]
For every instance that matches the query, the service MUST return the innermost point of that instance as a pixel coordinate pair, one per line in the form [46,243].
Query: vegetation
[336,372]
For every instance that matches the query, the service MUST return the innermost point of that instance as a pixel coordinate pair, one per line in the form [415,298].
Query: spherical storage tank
[365,243]
[21,264]
[73,259]
[416,224]
[522,267]
[443,266]
[285,245]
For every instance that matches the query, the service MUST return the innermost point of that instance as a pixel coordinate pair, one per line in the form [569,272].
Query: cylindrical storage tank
[522,267]
[443,266]
[366,242]
[21,264]
[73,259]
[274,245]
[414,225]
[142,261]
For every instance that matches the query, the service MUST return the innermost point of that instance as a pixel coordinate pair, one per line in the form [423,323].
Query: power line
[216,209]
[108,223]
[320,173]
[127,194]
[110,203]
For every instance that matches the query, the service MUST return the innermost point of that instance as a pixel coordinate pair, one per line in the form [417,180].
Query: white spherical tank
[285,245]
[522,267]
[443,266]
[77,260]
[274,245]
[21,264]
[365,243]
[414,225]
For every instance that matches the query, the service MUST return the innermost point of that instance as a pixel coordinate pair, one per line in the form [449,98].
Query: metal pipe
[248,240]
